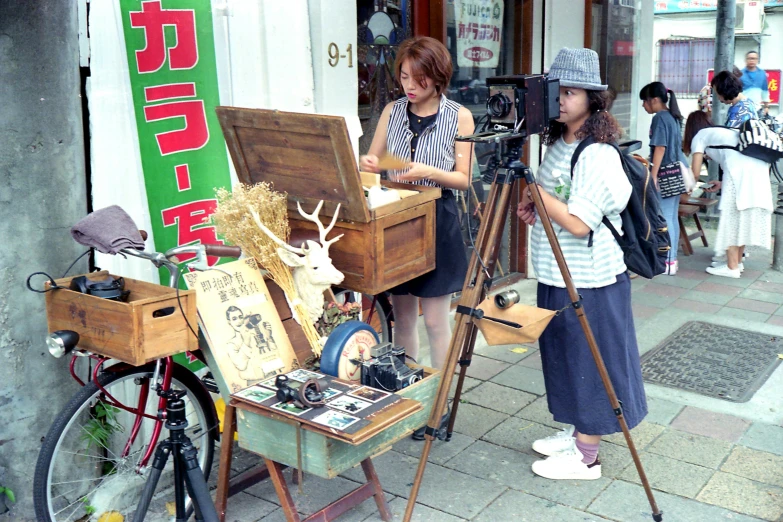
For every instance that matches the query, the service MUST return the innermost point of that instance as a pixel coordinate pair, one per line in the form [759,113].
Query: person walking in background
[746,197]
[576,206]
[755,84]
[729,91]
[665,149]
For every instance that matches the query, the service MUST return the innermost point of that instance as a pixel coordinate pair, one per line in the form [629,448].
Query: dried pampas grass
[234,220]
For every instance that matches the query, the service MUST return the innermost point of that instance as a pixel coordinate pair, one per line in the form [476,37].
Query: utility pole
[724,61]
[724,52]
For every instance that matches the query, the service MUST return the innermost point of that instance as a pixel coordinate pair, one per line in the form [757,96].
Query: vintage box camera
[386,368]
[524,104]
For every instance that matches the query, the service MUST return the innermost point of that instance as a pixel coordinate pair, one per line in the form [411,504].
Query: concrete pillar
[43,192]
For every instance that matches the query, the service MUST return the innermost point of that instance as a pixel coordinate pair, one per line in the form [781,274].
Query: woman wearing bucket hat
[576,206]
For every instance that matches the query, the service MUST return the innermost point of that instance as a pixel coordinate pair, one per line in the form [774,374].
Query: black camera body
[386,368]
[111,288]
[524,104]
[304,395]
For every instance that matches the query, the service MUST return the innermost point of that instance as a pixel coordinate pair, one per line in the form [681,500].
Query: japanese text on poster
[479,27]
[173,77]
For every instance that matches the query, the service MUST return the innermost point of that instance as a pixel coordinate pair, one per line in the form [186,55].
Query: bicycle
[95,456]
[377,310]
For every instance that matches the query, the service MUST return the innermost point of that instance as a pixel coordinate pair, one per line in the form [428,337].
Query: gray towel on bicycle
[108,230]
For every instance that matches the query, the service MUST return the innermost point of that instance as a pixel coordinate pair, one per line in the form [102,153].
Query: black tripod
[508,169]
[187,472]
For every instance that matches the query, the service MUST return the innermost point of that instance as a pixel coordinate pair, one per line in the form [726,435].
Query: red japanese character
[191,219]
[153,19]
[195,134]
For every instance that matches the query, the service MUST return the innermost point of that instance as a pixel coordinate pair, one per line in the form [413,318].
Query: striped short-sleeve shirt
[599,188]
[435,145]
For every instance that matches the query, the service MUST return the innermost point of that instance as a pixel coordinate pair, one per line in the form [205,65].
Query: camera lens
[498,105]
[507,298]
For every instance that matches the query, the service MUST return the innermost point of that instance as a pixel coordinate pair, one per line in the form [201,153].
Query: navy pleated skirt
[575,392]
[451,261]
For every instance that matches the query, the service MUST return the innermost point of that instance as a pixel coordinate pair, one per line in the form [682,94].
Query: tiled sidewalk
[707,460]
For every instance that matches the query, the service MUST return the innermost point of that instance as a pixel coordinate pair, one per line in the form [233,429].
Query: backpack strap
[579,148]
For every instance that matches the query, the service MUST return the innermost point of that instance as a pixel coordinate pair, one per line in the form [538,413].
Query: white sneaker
[567,465]
[560,441]
[716,264]
[724,271]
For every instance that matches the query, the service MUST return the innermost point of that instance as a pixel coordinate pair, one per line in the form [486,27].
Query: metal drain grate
[712,360]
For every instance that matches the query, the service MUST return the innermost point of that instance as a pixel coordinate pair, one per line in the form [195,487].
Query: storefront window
[615,36]
[382,25]
[479,35]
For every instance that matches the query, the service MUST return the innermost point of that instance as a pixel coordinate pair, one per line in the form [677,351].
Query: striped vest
[436,144]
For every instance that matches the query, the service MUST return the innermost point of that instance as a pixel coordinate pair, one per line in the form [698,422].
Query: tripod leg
[196,485]
[599,361]
[490,258]
[161,456]
[472,293]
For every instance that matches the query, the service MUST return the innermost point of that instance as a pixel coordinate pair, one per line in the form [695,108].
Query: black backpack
[645,243]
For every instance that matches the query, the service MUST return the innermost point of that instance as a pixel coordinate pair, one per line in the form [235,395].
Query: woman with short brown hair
[421,129]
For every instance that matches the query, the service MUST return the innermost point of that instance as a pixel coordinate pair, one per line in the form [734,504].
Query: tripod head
[175,411]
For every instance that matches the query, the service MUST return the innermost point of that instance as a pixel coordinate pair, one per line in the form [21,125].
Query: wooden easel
[270,468]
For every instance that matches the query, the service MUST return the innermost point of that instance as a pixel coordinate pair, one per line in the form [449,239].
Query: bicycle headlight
[62,342]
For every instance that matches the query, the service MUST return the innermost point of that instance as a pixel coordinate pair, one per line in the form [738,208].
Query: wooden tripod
[475,289]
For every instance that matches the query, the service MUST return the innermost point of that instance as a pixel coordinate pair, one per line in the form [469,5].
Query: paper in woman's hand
[390,162]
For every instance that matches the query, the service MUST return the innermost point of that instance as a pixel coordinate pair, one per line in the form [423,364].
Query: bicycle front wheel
[88,468]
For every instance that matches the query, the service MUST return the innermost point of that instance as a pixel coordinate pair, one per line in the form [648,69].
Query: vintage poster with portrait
[247,338]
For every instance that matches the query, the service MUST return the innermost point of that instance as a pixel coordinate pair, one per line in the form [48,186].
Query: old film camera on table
[517,107]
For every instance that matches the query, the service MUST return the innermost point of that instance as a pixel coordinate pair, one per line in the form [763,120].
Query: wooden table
[380,423]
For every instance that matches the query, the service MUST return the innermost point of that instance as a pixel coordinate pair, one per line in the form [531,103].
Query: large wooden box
[310,157]
[148,326]
[324,456]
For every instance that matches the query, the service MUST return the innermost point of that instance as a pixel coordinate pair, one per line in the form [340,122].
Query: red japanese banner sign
[174,83]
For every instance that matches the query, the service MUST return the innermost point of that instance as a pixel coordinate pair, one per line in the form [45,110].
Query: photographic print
[255,394]
[370,394]
[348,404]
[335,419]
[302,375]
[290,407]
[269,383]
[329,393]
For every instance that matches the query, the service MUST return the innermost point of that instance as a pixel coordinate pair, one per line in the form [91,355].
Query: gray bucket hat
[577,68]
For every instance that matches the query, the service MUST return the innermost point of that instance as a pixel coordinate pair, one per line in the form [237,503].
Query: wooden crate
[310,157]
[147,327]
[324,456]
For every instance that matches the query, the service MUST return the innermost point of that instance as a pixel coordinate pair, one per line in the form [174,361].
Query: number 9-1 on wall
[335,56]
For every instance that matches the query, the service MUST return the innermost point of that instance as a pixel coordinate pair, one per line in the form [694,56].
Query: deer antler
[271,234]
[321,230]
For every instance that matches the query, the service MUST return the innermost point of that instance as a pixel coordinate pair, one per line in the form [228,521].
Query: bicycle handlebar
[168,258]
[223,250]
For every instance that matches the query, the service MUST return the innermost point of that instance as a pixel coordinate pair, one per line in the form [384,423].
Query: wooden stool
[685,238]
[274,470]
[702,203]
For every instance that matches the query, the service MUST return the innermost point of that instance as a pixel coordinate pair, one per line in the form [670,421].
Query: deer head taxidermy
[313,269]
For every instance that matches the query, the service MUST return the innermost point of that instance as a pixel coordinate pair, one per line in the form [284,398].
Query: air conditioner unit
[750,17]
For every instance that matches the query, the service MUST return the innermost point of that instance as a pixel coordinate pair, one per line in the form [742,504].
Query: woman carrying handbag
[669,164]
